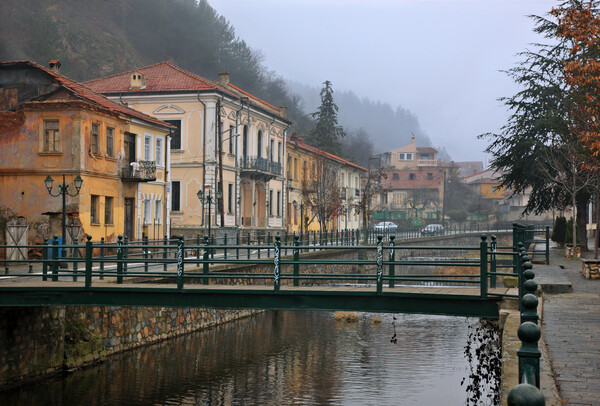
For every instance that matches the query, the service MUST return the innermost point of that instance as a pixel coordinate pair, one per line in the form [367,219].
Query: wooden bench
[590,268]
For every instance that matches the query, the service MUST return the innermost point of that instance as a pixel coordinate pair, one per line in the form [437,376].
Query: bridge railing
[383,265]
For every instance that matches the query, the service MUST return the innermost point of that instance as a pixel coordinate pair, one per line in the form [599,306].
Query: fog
[439,59]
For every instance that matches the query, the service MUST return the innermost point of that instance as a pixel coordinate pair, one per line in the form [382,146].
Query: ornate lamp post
[208,199]
[64,190]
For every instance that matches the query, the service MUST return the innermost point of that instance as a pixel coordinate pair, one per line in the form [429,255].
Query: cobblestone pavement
[571,328]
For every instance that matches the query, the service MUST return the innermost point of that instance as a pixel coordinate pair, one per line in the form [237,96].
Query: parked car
[433,229]
[385,227]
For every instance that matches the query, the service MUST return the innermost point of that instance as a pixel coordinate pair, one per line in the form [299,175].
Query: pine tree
[327,132]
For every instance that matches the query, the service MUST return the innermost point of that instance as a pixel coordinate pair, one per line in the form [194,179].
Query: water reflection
[278,358]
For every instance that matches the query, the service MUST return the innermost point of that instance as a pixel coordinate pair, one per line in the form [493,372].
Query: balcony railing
[140,171]
[258,164]
[427,162]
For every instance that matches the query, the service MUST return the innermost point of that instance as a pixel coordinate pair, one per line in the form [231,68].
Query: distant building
[468,168]
[410,156]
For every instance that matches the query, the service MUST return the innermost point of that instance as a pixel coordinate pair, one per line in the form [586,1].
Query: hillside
[100,37]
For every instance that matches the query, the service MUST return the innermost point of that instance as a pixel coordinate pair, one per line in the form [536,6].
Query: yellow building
[53,127]
[302,160]
[228,142]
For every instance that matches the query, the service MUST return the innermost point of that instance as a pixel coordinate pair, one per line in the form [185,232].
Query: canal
[279,358]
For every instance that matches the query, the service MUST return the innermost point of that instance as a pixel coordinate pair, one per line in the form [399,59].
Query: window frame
[159,151]
[57,138]
[148,155]
[158,212]
[147,211]
[94,203]
[176,133]
[173,194]
[110,142]
[108,210]
[95,139]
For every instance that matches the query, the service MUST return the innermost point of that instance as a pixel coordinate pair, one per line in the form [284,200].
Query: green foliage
[559,231]
[569,233]
[327,133]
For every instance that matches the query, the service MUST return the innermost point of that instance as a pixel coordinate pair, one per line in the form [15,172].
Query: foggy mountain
[102,37]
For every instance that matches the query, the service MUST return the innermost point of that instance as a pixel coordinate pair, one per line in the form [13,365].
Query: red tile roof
[166,77]
[84,93]
[427,150]
[299,142]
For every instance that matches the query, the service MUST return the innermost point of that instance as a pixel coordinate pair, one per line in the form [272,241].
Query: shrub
[559,231]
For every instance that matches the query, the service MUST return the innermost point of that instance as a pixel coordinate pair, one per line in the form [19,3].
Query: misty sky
[440,59]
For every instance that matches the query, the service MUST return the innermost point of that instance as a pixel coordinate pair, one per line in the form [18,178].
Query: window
[95,139]
[94,210]
[51,136]
[147,218]
[175,195]
[147,148]
[279,151]
[229,198]
[395,176]
[412,176]
[231,136]
[270,202]
[405,156]
[429,175]
[272,151]
[278,203]
[110,142]
[108,210]
[424,156]
[159,151]
[175,133]
[289,166]
[260,146]
[158,212]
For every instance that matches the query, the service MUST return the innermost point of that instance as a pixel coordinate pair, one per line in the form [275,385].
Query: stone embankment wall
[36,341]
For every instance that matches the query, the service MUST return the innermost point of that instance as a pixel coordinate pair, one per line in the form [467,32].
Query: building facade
[227,154]
[55,128]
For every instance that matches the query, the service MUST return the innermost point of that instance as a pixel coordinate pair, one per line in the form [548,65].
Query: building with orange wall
[53,126]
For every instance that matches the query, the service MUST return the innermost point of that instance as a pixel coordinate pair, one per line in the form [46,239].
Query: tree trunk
[582,200]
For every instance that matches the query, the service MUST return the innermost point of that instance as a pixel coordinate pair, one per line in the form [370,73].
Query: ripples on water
[279,358]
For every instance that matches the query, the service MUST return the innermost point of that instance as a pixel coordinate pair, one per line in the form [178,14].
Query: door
[130,147]
[129,216]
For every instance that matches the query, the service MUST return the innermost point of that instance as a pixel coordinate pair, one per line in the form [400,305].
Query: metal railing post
[258,244]
[125,253]
[483,257]
[547,245]
[120,259]
[379,263]
[165,252]
[237,243]
[205,263]
[276,270]
[45,250]
[55,258]
[180,245]
[101,258]
[145,248]
[88,262]
[296,259]
[198,250]
[493,267]
[225,245]
[248,244]
[392,260]
[75,263]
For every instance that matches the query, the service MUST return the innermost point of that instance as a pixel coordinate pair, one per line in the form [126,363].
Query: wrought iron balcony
[261,167]
[140,171]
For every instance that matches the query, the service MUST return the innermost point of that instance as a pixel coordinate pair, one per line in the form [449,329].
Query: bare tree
[421,199]
[563,165]
[321,192]
[372,186]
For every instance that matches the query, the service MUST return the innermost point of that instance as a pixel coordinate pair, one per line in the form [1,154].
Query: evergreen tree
[327,132]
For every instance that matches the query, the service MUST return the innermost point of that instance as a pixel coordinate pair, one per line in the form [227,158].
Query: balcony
[427,162]
[258,167]
[140,171]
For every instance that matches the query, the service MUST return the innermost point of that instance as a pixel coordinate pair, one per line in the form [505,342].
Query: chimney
[283,111]
[138,81]
[223,78]
[54,66]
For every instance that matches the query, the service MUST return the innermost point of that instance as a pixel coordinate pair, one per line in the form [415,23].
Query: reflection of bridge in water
[459,281]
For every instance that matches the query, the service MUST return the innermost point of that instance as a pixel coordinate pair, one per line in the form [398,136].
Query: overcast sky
[440,59]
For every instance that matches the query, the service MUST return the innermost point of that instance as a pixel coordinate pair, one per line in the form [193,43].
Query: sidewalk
[571,327]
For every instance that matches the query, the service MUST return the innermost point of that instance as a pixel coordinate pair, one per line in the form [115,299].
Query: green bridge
[379,277]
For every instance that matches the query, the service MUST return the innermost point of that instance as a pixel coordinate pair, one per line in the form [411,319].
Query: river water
[279,358]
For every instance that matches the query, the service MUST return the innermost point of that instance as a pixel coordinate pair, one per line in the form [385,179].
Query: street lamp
[208,199]
[64,190]
[295,204]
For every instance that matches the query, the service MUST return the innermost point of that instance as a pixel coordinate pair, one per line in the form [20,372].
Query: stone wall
[36,341]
